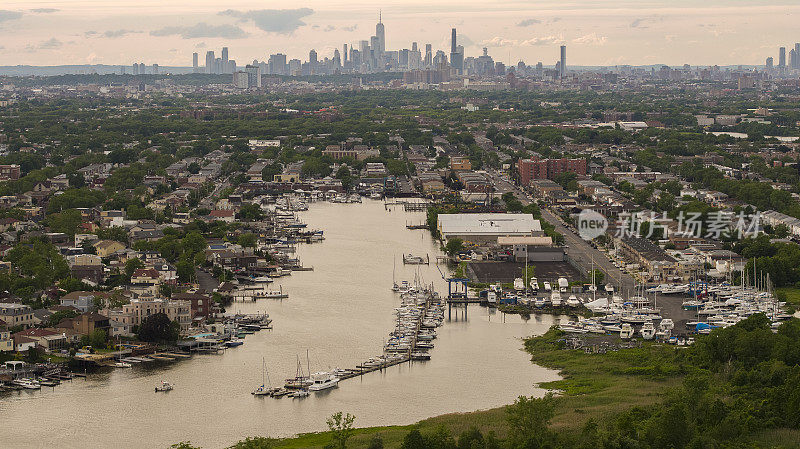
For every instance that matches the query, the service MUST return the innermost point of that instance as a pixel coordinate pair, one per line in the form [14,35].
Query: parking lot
[507,271]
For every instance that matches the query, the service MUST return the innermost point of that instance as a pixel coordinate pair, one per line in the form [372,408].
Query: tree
[185,271]
[248,240]
[98,338]
[67,222]
[454,246]
[376,442]
[158,328]
[250,212]
[414,440]
[529,421]
[131,265]
[341,428]
[254,443]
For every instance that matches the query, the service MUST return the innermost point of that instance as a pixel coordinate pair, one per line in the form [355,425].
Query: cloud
[118,33]
[528,22]
[591,39]
[545,40]
[644,22]
[280,21]
[350,28]
[329,28]
[533,42]
[6,15]
[111,34]
[200,45]
[201,30]
[50,44]
[44,10]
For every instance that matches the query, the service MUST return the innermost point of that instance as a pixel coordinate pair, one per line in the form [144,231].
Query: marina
[341,313]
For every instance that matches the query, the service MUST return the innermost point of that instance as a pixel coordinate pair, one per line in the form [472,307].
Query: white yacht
[555,298]
[572,301]
[648,331]
[534,284]
[547,286]
[666,324]
[563,284]
[323,381]
[626,331]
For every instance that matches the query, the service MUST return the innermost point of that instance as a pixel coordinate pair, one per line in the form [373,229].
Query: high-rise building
[277,64]
[224,59]
[769,63]
[456,55]
[253,75]
[210,62]
[312,57]
[563,65]
[428,55]
[155,69]
[344,53]
[782,57]
[380,33]
[797,52]
[793,59]
[195,58]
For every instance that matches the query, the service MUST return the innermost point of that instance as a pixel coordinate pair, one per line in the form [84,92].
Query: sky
[596,32]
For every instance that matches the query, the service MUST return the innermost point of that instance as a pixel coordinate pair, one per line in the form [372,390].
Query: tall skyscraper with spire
[380,33]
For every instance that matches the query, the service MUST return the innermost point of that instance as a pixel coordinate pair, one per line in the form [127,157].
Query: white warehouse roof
[488,224]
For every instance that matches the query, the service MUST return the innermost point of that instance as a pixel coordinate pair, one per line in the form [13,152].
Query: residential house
[106,248]
[14,314]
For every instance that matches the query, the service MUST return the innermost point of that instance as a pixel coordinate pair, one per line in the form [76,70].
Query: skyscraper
[769,63]
[563,67]
[797,52]
[210,61]
[344,53]
[456,58]
[195,57]
[782,57]
[224,59]
[312,57]
[253,75]
[380,33]
[428,55]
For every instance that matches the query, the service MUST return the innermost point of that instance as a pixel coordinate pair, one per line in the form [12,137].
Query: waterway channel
[341,314]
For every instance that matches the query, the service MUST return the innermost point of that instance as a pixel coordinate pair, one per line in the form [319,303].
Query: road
[578,249]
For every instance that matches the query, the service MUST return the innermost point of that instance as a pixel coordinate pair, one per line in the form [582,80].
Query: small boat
[555,298]
[164,386]
[420,356]
[609,289]
[233,342]
[299,393]
[547,286]
[323,381]
[572,301]
[28,384]
[122,364]
[413,260]
[648,331]
[626,331]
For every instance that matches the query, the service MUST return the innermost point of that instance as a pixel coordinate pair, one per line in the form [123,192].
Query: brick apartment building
[530,169]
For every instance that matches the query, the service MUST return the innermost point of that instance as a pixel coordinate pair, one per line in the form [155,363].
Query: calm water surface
[341,313]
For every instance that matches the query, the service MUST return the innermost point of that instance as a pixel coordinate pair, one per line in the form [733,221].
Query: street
[579,250]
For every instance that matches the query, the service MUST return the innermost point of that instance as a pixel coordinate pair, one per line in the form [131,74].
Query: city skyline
[122,32]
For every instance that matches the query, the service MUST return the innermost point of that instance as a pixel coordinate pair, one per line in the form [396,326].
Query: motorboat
[648,331]
[555,298]
[547,286]
[519,284]
[164,386]
[419,355]
[572,301]
[122,364]
[322,381]
[666,324]
[538,302]
[263,390]
[609,289]
[233,342]
[534,284]
[301,393]
[28,384]
[626,331]
[563,284]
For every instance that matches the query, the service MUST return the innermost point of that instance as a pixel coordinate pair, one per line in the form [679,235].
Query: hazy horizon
[121,32]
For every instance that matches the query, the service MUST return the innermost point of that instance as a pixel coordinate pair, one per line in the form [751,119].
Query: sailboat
[263,390]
